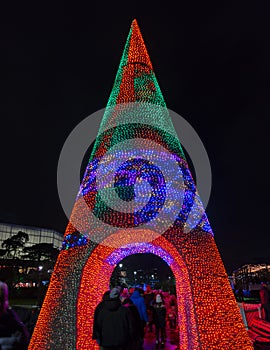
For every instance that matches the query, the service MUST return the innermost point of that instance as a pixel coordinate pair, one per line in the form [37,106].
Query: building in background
[31,263]
[249,276]
[36,234]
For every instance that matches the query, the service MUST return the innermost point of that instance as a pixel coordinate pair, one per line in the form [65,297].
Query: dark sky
[58,65]
[145,262]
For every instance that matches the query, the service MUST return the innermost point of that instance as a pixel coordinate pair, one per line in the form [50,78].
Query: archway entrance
[109,253]
[152,276]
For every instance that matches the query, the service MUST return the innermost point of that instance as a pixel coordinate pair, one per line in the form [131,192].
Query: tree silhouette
[41,251]
[3,252]
[15,243]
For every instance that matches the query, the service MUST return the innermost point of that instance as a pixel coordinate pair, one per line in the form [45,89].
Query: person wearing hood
[138,300]
[114,323]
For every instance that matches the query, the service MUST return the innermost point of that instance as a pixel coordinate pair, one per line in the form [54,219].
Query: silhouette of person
[135,341]
[114,323]
[160,320]
[138,300]
[10,323]
[96,335]
[149,296]
[264,296]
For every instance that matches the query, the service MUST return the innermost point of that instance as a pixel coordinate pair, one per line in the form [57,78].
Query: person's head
[158,299]
[148,289]
[115,293]
[3,297]
[124,295]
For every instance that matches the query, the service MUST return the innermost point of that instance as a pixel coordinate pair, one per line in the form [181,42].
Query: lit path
[171,342]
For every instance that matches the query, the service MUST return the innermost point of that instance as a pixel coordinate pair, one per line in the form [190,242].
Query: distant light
[135,272]
[120,265]
[40,268]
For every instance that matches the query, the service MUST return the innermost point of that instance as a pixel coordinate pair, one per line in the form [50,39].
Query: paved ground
[171,341]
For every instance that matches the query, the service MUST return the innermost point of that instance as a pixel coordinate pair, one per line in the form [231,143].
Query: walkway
[171,342]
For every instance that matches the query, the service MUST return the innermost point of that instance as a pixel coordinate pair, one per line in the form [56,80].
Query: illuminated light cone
[138,196]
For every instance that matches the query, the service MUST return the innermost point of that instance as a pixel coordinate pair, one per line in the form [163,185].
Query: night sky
[58,66]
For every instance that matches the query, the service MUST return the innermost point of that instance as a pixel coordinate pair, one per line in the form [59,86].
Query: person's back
[136,336]
[138,300]
[96,335]
[149,299]
[159,315]
[114,323]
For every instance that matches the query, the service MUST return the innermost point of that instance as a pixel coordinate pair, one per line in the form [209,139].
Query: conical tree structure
[138,196]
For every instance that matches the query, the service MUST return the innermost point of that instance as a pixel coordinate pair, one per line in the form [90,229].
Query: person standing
[172,316]
[159,316]
[96,335]
[265,302]
[114,323]
[10,323]
[138,300]
[136,340]
[149,299]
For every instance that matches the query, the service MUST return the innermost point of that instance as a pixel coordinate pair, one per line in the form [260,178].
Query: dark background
[58,64]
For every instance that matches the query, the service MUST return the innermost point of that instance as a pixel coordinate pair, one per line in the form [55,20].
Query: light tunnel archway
[100,265]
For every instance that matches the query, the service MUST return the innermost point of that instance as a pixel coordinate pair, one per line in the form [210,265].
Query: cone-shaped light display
[138,196]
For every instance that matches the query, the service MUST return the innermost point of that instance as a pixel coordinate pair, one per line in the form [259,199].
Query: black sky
[58,65]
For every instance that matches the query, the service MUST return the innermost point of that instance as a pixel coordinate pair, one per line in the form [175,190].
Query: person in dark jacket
[149,296]
[138,300]
[10,323]
[136,340]
[159,316]
[265,302]
[96,336]
[114,323]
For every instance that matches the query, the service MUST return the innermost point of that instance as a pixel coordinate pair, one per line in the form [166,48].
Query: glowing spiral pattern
[139,178]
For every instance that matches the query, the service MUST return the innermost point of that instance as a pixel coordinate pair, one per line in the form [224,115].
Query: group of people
[123,316]
[121,319]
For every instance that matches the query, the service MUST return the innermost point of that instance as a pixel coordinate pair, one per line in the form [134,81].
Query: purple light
[138,248]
